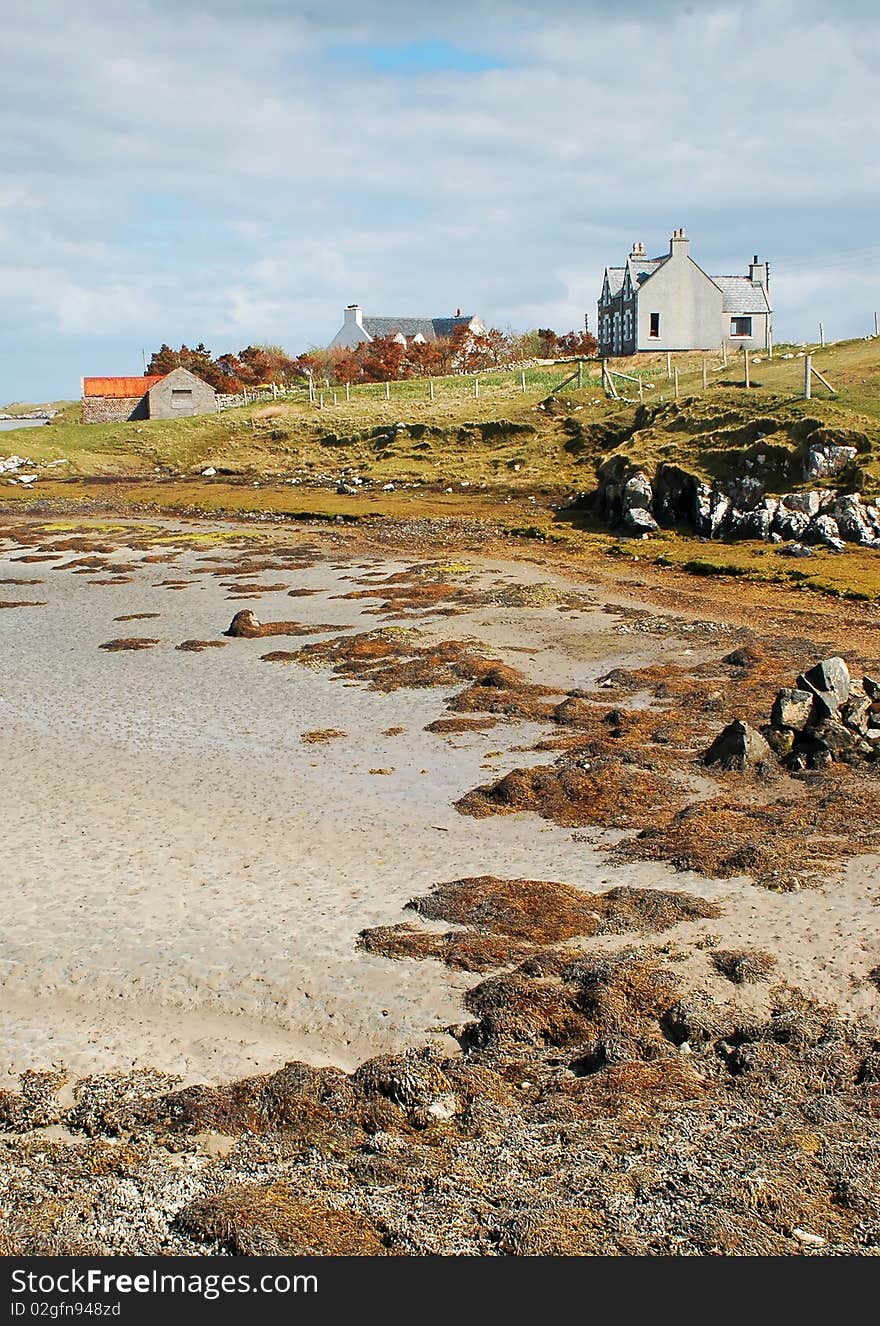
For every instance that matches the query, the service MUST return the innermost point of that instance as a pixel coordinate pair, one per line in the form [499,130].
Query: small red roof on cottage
[121,388]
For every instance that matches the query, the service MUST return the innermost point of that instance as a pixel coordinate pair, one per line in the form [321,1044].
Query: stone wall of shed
[113,409]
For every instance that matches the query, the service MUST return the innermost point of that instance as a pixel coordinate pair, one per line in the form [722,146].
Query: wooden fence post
[668,366]
[769,342]
[675,375]
[822,334]
[431,387]
[476,388]
[724,354]
[522,378]
[877,324]
[335,401]
[321,401]
[705,374]
[387,391]
[348,391]
[580,372]
[641,388]
[808,386]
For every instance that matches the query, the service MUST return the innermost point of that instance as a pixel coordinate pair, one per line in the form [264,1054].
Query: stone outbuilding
[171,395]
[670,303]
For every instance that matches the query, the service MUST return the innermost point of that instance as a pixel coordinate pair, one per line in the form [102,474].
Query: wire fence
[664,377]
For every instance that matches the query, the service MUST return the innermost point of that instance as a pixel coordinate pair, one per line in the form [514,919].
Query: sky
[237,171]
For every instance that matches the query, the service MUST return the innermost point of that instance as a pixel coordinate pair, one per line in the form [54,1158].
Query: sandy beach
[184,878]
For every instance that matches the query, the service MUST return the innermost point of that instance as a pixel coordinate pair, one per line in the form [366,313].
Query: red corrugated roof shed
[120,388]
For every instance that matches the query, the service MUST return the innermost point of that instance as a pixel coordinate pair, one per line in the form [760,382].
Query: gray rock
[809,503]
[823,529]
[829,675]
[791,524]
[871,688]
[738,746]
[638,493]
[852,520]
[826,460]
[712,511]
[855,713]
[836,738]
[792,708]
[796,550]
[639,521]
[751,524]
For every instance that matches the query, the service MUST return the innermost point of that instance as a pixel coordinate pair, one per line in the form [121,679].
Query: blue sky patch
[413,57]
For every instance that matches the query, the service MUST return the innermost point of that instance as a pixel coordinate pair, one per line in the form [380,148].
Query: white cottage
[357,328]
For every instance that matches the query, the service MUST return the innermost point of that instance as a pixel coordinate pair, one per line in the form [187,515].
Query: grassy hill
[505,441]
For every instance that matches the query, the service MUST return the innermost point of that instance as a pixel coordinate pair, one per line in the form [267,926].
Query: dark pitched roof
[430,328]
[446,326]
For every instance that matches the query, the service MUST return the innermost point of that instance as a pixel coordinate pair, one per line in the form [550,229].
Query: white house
[670,303]
[356,328]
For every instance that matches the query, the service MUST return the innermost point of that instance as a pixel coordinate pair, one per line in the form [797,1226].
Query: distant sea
[21,423]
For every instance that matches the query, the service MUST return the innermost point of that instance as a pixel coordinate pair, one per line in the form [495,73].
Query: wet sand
[183,879]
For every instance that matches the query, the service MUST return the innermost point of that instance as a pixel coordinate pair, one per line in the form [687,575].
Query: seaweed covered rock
[244,625]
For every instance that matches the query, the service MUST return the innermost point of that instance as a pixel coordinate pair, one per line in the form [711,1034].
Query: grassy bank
[508,457]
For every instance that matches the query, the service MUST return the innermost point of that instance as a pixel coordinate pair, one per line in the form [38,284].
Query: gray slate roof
[430,328]
[742,295]
[641,268]
[639,271]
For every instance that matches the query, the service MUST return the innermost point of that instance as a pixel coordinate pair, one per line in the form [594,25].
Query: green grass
[506,442]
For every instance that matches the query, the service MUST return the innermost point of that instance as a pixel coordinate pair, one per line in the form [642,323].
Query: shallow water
[9,425]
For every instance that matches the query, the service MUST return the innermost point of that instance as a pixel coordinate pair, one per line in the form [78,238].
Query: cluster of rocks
[827,716]
[742,510]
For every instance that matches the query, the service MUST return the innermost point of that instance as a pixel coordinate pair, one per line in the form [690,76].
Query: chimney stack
[758,272]
[679,243]
[353,315]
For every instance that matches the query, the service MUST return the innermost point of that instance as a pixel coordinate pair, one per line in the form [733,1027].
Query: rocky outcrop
[736,508]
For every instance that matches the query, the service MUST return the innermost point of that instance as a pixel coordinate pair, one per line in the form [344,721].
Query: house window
[740,326]
[655,325]
[181,398]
